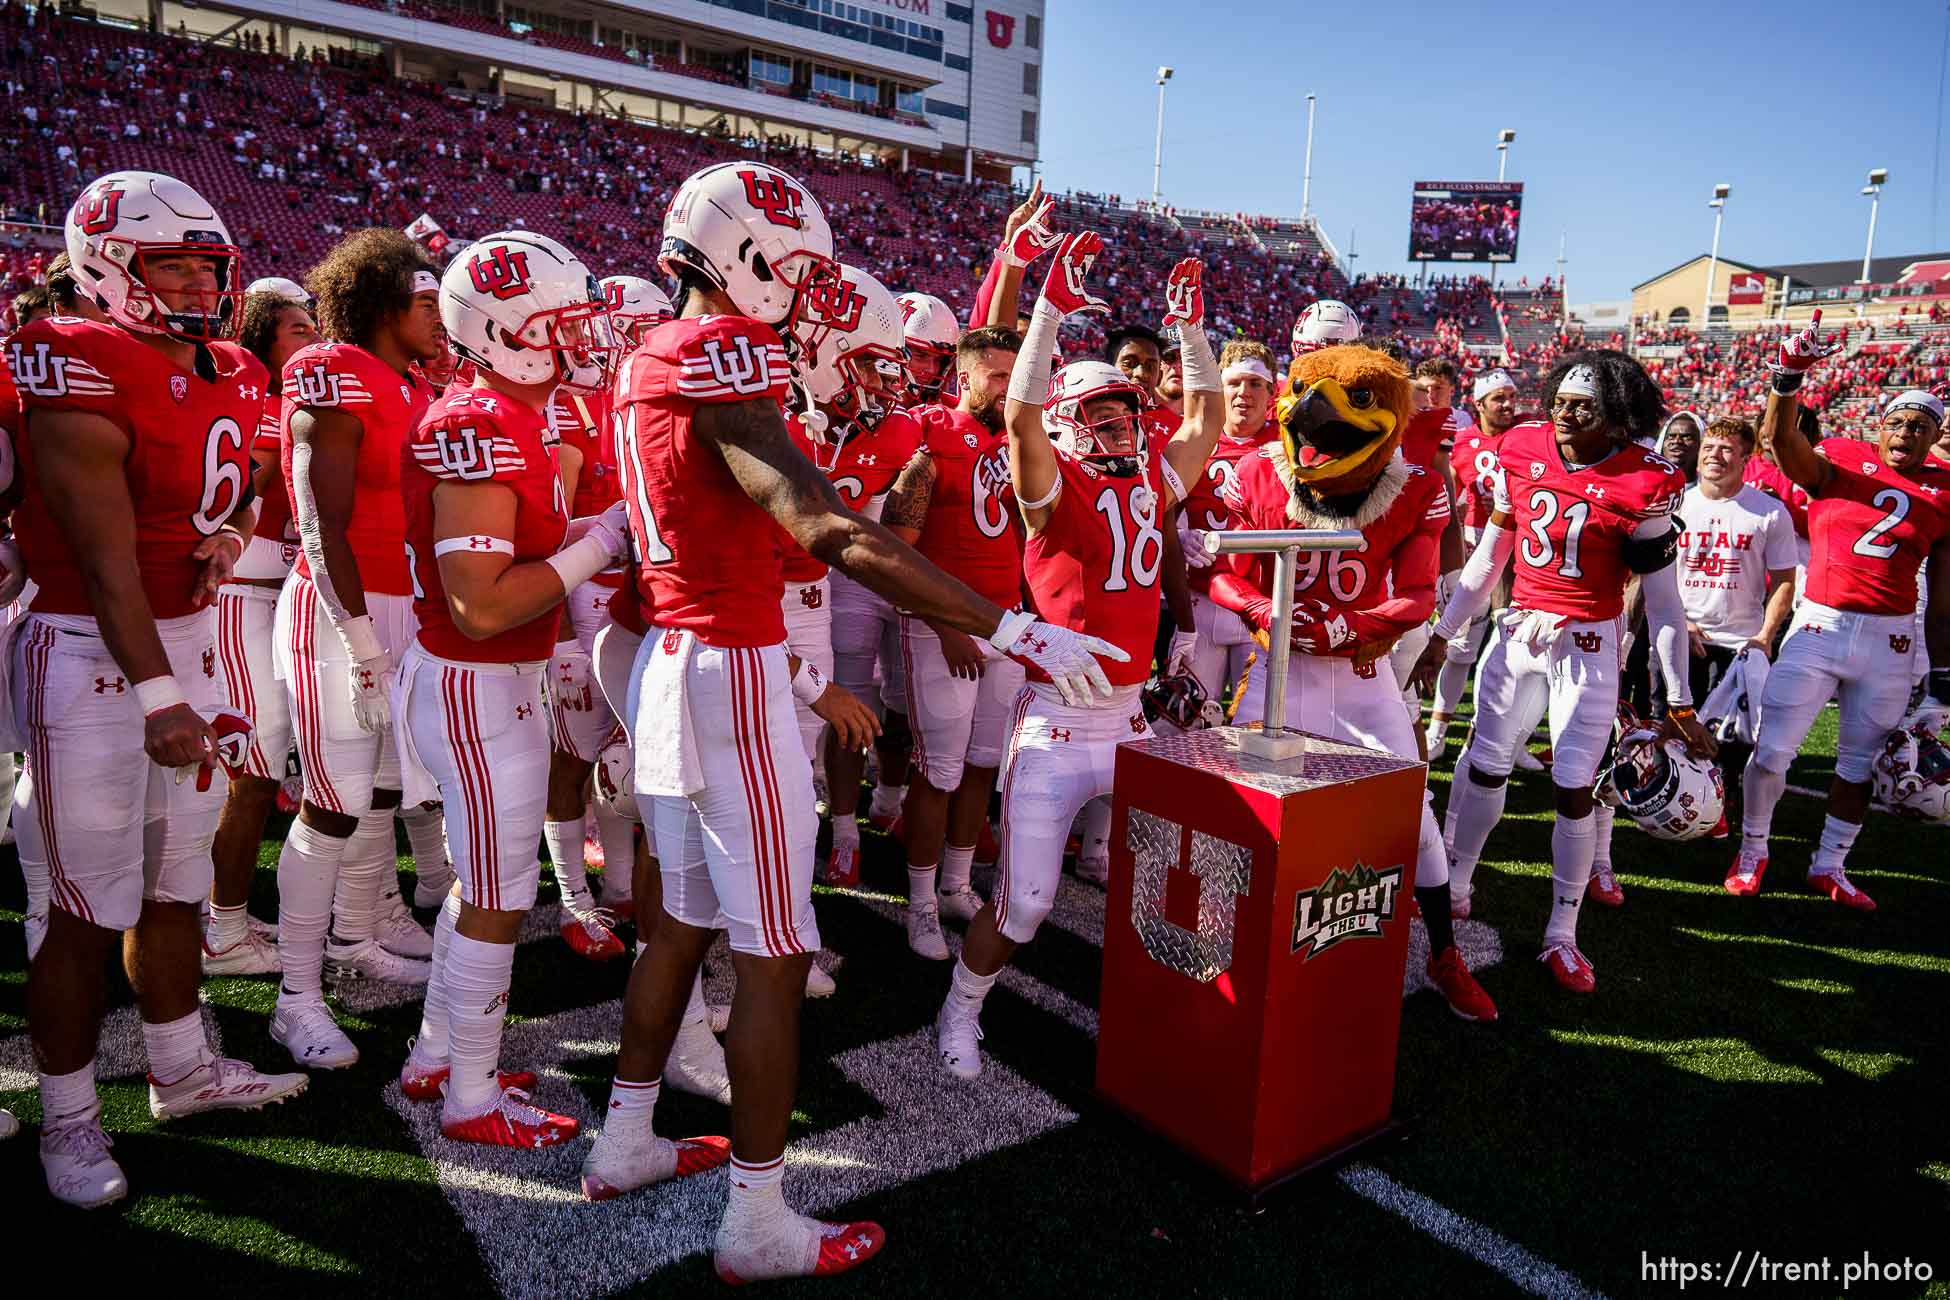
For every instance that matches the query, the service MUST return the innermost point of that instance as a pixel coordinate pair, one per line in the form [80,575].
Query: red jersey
[1205,506]
[274,521]
[189,437]
[1571,525]
[389,407]
[1382,590]
[476,435]
[1430,436]
[862,469]
[1473,461]
[1871,529]
[1093,567]
[10,433]
[708,555]
[1767,476]
[969,532]
[581,420]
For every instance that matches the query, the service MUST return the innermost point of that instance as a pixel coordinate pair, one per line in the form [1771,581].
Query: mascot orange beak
[1337,439]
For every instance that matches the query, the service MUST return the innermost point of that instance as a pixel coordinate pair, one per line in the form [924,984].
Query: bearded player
[1879,510]
[1582,507]
[1093,499]
[712,475]
[135,464]
[1338,464]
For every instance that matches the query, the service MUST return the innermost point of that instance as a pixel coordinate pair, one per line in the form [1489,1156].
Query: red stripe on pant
[742,722]
[238,686]
[1008,779]
[454,713]
[61,889]
[304,673]
[781,865]
[917,757]
[770,862]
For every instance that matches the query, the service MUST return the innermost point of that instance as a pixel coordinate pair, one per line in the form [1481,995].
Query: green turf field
[1753,1080]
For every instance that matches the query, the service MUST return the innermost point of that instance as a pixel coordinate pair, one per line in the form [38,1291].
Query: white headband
[1581,381]
[1916,399]
[1487,384]
[425,282]
[1247,366]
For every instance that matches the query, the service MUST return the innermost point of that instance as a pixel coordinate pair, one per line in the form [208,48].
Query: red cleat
[1569,967]
[587,931]
[623,909]
[1603,887]
[843,867]
[987,851]
[1743,877]
[885,822]
[842,1246]
[1836,885]
[425,1085]
[514,1122]
[1719,831]
[1451,977]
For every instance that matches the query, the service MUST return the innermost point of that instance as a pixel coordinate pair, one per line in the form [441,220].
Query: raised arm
[1032,457]
[1025,237]
[1780,426]
[1205,417]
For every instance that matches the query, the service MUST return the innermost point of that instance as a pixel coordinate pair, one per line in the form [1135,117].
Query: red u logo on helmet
[778,198]
[500,272]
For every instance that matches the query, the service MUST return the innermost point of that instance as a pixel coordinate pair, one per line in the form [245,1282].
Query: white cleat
[1094,870]
[924,931]
[960,905]
[696,1063]
[431,888]
[366,960]
[956,1035]
[221,1083]
[79,1169]
[397,931]
[255,955]
[314,1039]
[1527,761]
[267,930]
[818,983]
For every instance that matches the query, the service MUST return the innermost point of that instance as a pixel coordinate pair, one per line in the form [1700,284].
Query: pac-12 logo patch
[1350,904]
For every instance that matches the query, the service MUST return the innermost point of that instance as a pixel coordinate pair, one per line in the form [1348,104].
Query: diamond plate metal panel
[1224,871]
[1326,762]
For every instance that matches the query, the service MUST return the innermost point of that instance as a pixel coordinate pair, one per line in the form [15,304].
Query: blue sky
[1626,116]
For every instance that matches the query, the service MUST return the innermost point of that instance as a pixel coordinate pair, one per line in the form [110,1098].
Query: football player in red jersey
[136,468]
[930,331]
[274,329]
[1428,440]
[1350,607]
[1879,511]
[343,620]
[1582,507]
[1093,494]
[711,468]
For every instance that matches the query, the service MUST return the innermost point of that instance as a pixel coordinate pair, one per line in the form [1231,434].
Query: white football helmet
[124,217]
[615,775]
[754,232]
[636,306]
[283,287]
[1323,324]
[931,330]
[1086,381]
[526,308]
[848,328]
[1912,773]
[1731,710]
[1668,792]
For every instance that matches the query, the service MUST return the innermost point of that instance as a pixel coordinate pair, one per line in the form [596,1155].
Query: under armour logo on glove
[1318,629]
[1032,238]
[1185,293]
[1804,347]
[233,732]
[1064,289]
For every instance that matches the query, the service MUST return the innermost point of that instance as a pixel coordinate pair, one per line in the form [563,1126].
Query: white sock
[1761,789]
[967,988]
[631,1104]
[1476,809]
[308,872]
[757,1189]
[1603,815]
[175,1048]
[477,1001]
[426,831]
[1837,837]
[66,1096]
[617,835]
[229,926]
[1095,846]
[564,840]
[1572,842]
[1431,858]
[920,885]
[887,800]
[364,872]
[957,862]
[846,836]
[432,1043]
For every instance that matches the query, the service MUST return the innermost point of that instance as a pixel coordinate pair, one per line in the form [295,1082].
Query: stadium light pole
[1307,176]
[1719,205]
[1877,177]
[1158,158]
[1504,139]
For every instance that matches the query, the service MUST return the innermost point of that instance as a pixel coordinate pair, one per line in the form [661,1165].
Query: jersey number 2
[1897,505]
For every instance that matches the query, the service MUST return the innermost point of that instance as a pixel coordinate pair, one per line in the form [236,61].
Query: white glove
[569,680]
[13,571]
[1069,658]
[1192,542]
[1179,658]
[611,528]
[372,675]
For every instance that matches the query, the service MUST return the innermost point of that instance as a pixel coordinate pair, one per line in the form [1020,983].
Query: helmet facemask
[1113,442]
[200,315]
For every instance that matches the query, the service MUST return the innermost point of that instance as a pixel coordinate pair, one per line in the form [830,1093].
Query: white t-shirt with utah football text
[1725,553]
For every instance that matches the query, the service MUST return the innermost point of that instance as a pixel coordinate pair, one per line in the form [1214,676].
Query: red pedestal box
[1254,942]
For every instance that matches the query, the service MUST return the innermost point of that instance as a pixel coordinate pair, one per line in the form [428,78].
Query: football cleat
[432,894]
[1719,831]
[262,929]
[818,983]
[623,909]
[623,1159]
[513,1121]
[254,955]
[1836,886]
[1569,967]
[924,930]
[826,1249]
[1743,877]
[421,1081]
[957,1034]
[1450,975]
[696,1062]
[586,928]
[987,849]
[1603,887]
[960,904]
[366,960]
[843,866]
[1459,907]
[221,1083]
[896,830]
[884,822]
[398,933]
[306,1029]
[79,1169]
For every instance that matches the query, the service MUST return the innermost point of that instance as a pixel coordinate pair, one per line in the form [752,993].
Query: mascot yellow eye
[1360,399]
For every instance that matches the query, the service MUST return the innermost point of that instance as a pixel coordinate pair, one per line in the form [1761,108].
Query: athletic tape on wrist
[159,693]
[809,683]
[578,563]
[1198,370]
[1029,381]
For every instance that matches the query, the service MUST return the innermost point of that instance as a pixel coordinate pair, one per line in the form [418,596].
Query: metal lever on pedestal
[1274,740]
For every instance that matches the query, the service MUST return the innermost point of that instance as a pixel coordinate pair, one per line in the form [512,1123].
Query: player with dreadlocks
[1582,508]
